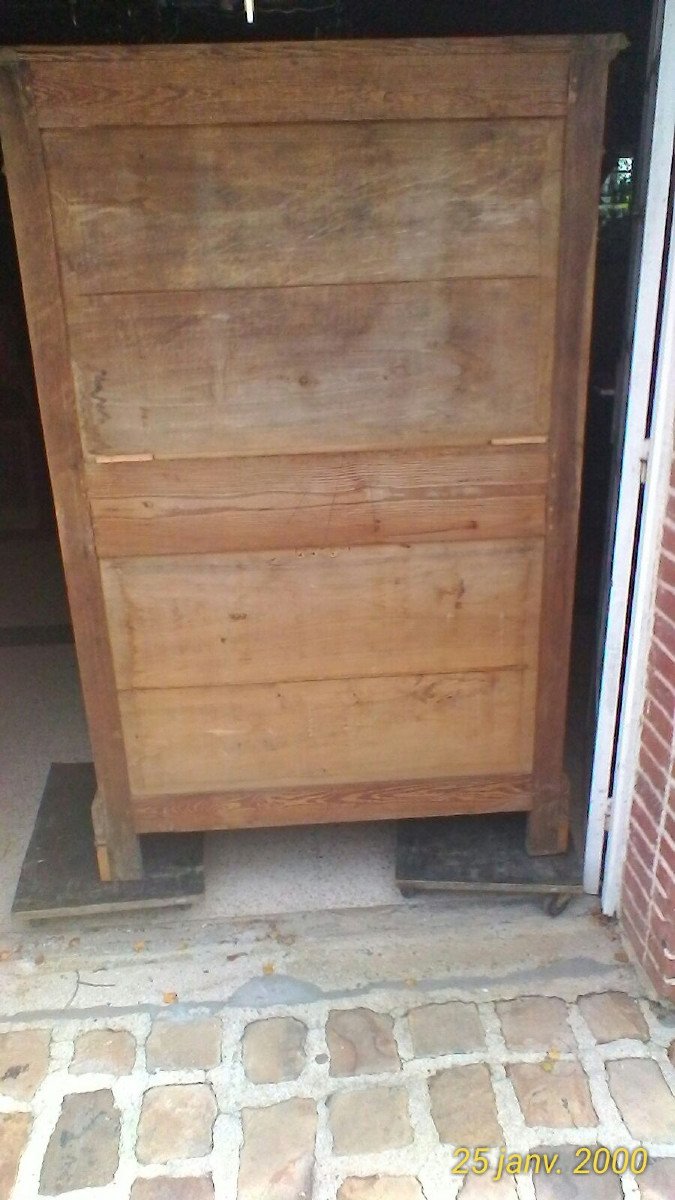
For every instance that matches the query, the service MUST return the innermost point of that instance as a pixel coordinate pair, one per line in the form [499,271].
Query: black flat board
[480,853]
[59,876]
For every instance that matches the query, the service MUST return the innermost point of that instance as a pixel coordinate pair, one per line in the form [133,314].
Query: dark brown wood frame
[30,103]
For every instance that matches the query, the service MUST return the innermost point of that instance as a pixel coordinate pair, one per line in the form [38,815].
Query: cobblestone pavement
[333,1101]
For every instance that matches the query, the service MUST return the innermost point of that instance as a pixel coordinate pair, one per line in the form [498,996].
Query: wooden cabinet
[310,325]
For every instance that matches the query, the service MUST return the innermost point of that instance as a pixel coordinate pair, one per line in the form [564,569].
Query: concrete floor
[343,923]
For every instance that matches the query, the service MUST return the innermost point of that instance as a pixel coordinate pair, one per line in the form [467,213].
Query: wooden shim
[42,292]
[358,802]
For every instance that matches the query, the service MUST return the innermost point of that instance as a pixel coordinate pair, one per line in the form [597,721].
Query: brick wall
[648,901]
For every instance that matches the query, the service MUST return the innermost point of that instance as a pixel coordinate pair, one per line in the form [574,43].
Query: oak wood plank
[286,205]
[297,615]
[356,802]
[438,472]
[430,78]
[270,371]
[40,276]
[328,731]
[156,525]
[214,505]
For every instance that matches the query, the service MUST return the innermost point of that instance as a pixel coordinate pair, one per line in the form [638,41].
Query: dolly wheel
[406,892]
[556,903]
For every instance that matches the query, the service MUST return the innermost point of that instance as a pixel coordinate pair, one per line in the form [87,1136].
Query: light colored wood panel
[282,480]
[268,371]
[193,208]
[328,81]
[217,505]
[137,526]
[309,806]
[328,731]
[429,608]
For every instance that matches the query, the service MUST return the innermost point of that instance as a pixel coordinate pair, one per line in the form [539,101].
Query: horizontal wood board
[209,506]
[300,615]
[430,79]
[278,206]
[250,808]
[270,371]
[334,730]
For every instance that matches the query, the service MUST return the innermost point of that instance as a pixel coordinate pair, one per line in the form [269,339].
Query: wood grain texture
[287,205]
[251,809]
[426,79]
[46,322]
[269,371]
[548,822]
[328,731]
[211,506]
[255,618]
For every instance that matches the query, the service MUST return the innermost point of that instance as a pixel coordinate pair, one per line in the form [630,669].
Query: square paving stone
[24,1062]
[274,1049]
[484,1187]
[563,1184]
[83,1150]
[643,1098]
[613,1015]
[112,1051]
[165,1187]
[658,1181]
[277,1157]
[14,1130]
[452,1028]
[463,1106]
[183,1044]
[553,1094]
[381,1187]
[369,1121]
[361,1042]
[176,1122]
[536,1023]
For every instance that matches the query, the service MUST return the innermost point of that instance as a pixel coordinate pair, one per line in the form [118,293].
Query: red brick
[657,747]
[668,539]
[667,853]
[637,879]
[669,824]
[634,923]
[665,601]
[659,720]
[662,662]
[667,570]
[641,849]
[664,632]
[649,799]
[663,690]
[645,824]
[654,769]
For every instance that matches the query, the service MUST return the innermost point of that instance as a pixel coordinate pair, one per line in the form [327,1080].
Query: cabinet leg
[118,852]
[549,819]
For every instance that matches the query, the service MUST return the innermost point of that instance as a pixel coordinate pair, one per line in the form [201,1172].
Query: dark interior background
[25,499]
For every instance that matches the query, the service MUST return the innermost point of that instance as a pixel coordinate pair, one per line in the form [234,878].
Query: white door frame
[645,461]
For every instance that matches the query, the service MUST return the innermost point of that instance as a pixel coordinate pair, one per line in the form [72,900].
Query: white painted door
[636,476]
